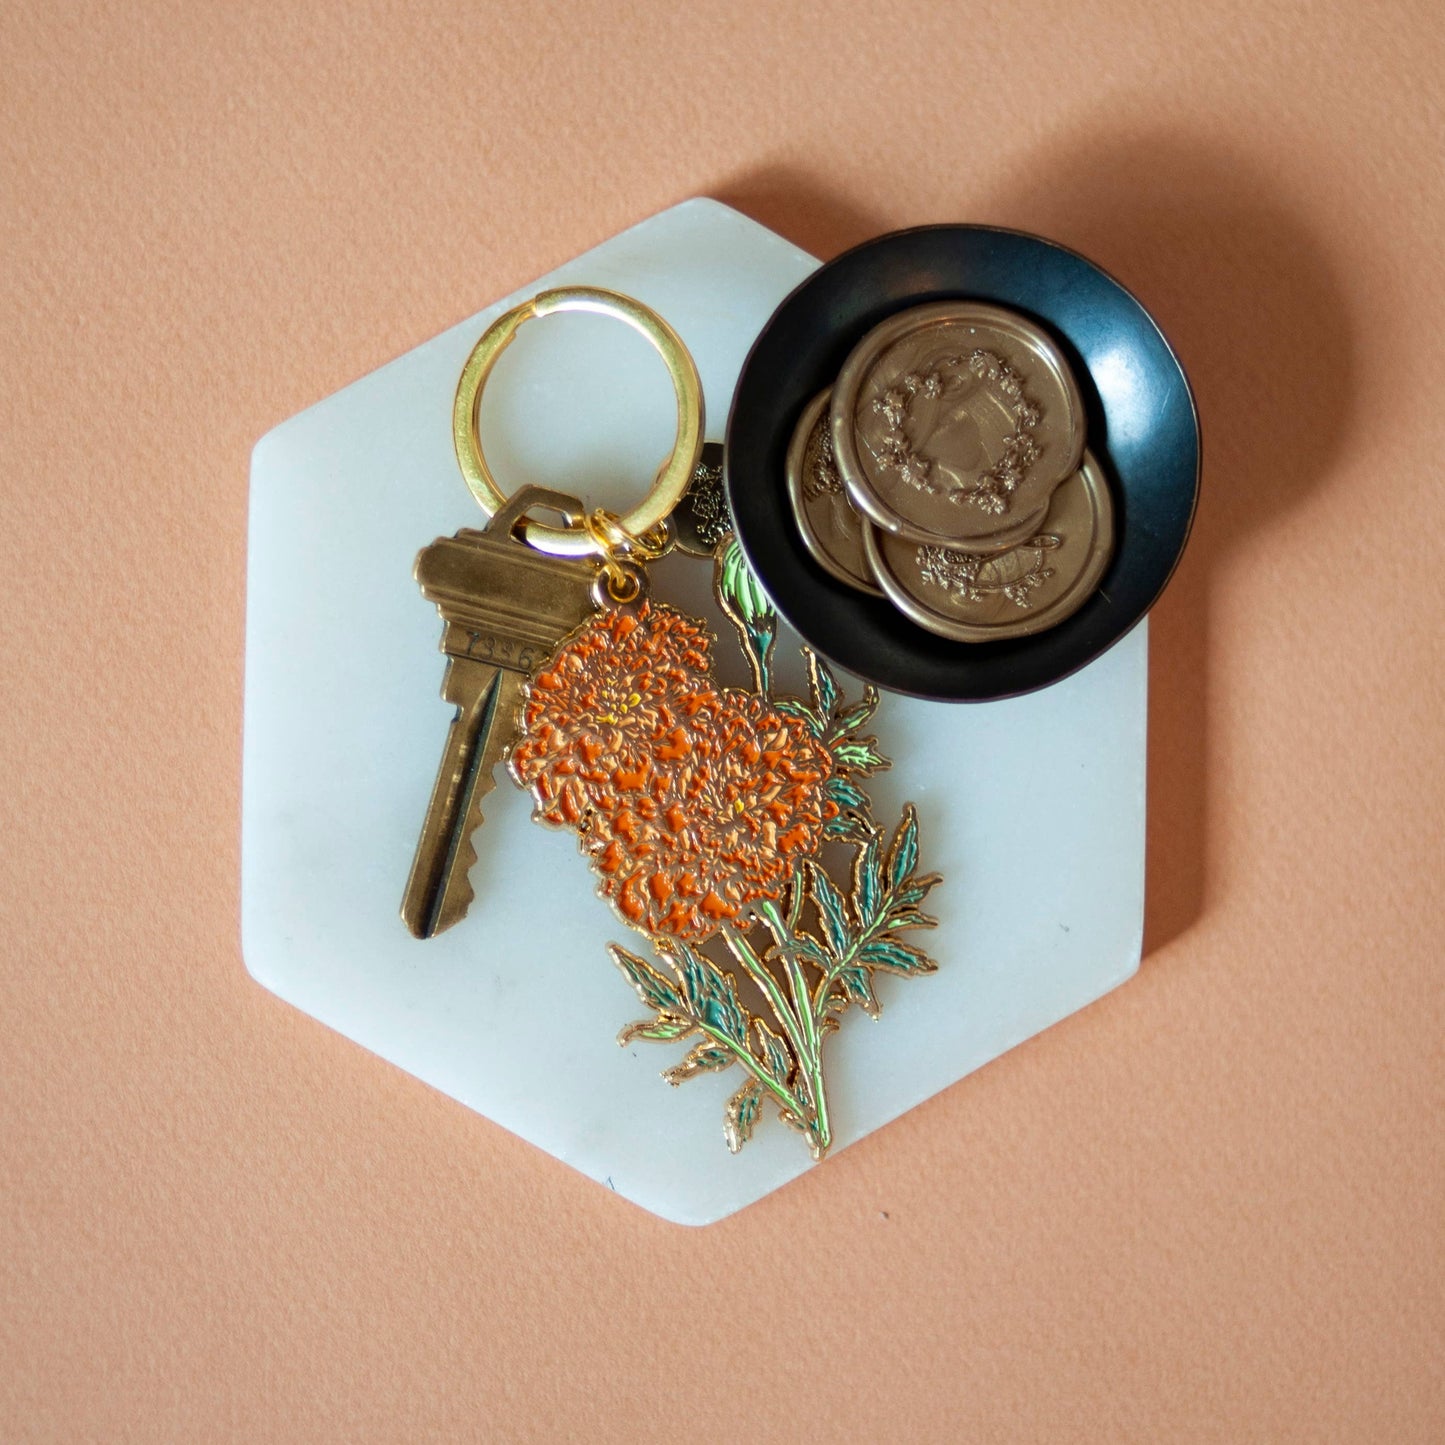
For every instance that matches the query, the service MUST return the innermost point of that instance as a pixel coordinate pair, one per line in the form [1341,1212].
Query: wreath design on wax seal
[994,487]
[822,478]
[975,577]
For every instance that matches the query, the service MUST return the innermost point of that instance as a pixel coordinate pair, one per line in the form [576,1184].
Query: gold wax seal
[831,530]
[954,422]
[700,520]
[972,597]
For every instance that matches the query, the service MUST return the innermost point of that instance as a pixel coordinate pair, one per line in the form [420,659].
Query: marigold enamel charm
[704,811]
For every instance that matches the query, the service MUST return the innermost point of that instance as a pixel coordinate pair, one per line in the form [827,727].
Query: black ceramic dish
[1141,419]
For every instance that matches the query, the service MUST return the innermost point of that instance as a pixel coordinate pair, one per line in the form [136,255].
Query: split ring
[672,478]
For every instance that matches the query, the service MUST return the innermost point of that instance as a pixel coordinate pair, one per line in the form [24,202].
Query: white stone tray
[1032,809]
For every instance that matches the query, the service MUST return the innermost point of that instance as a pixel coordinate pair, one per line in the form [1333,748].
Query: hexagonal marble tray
[1033,809]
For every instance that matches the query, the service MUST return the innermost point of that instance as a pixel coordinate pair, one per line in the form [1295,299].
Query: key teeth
[457,894]
[439,892]
[456,900]
[445,907]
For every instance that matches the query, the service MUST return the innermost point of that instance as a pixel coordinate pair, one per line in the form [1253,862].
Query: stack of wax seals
[945,470]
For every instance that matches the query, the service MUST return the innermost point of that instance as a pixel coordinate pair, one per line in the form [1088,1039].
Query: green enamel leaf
[895,957]
[910,918]
[916,889]
[822,682]
[847,827]
[772,1052]
[831,909]
[860,755]
[853,718]
[796,707]
[845,793]
[704,1059]
[868,882]
[742,1115]
[903,855]
[711,996]
[859,988]
[811,949]
[663,1028]
[652,988]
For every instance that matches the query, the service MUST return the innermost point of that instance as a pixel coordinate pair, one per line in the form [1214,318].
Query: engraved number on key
[502,650]
[505,607]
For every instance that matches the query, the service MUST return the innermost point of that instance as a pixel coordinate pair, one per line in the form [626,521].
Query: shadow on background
[796,206]
[1257,314]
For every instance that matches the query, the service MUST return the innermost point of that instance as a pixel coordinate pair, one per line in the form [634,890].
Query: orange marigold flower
[692,801]
[593,713]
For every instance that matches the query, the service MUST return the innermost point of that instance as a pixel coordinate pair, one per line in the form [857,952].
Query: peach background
[1209,1208]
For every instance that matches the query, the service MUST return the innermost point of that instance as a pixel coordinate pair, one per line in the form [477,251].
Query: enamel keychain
[703,811]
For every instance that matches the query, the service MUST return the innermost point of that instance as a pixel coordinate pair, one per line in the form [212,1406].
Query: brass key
[505,607]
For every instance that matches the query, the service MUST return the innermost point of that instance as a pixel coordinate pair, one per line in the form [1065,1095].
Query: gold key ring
[672,478]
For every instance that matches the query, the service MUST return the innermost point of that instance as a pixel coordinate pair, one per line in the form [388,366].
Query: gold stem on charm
[761,975]
[813,1061]
[783,1095]
[797,1024]
[807,1041]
